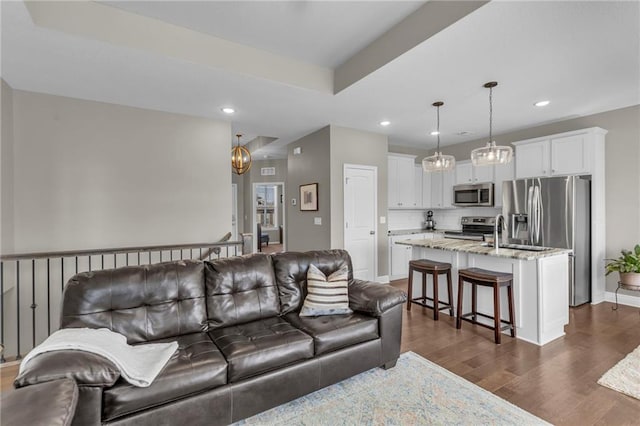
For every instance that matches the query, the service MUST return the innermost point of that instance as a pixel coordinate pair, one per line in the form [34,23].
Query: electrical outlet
[317,221]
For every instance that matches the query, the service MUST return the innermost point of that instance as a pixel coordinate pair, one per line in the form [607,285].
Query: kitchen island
[540,282]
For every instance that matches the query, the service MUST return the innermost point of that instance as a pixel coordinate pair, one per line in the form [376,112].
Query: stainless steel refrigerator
[553,212]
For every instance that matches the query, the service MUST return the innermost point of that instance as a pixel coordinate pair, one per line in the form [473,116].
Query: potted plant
[628,265]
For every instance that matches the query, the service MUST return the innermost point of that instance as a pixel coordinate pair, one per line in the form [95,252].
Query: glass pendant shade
[491,153]
[438,162]
[240,158]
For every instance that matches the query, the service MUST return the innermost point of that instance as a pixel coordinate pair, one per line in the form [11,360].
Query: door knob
[372,232]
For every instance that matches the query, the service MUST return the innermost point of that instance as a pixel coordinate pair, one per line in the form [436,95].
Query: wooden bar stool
[430,267]
[496,280]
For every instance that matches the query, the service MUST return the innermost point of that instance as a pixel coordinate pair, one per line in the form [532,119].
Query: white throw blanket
[139,365]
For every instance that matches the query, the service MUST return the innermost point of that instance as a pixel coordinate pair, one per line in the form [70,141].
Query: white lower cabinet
[540,287]
[400,254]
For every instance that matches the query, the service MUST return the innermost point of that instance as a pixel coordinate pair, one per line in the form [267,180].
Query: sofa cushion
[291,273]
[196,366]
[239,290]
[85,368]
[260,346]
[143,303]
[334,332]
[326,295]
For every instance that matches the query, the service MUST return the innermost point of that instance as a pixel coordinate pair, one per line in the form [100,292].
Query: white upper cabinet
[426,190]
[468,173]
[442,189]
[570,155]
[448,181]
[532,159]
[464,173]
[559,155]
[417,197]
[482,174]
[401,179]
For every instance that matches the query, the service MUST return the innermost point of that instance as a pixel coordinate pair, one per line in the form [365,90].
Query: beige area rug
[415,392]
[624,377]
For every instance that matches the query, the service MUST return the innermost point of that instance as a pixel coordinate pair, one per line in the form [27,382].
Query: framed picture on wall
[309,197]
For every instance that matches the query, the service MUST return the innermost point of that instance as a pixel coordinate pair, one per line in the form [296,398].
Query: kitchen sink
[519,247]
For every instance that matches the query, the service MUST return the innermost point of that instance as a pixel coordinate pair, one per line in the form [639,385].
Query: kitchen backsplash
[445,218]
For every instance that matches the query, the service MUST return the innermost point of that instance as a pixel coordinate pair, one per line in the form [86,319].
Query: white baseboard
[384,279]
[623,299]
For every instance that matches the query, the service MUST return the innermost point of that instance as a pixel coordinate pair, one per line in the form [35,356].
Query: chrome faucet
[499,220]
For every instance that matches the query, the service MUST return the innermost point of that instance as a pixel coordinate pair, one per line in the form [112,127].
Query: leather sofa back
[240,290]
[141,302]
[291,273]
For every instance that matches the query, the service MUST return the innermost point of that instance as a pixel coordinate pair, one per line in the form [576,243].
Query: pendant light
[240,158]
[491,154]
[438,162]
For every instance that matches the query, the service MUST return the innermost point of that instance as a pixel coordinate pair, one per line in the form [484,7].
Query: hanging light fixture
[491,153]
[438,162]
[240,158]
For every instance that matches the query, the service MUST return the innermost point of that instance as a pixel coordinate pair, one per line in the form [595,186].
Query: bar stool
[496,280]
[430,267]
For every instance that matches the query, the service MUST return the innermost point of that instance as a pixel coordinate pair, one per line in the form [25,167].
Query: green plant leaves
[629,261]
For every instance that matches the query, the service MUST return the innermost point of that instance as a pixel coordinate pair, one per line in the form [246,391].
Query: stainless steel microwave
[477,195]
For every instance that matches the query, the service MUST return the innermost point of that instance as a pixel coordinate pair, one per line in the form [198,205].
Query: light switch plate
[383,219]
[317,221]
[294,202]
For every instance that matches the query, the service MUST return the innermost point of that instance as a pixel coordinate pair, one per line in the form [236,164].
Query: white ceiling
[582,56]
[325,33]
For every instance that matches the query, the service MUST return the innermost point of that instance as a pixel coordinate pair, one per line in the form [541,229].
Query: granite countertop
[476,247]
[416,231]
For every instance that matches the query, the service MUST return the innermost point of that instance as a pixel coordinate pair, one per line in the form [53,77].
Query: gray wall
[6,170]
[312,165]
[91,175]
[363,148]
[622,173]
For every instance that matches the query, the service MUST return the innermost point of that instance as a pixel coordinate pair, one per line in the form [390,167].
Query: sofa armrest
[86,369]
[374,298]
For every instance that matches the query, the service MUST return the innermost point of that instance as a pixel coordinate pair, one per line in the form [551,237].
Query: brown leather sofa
[242,346]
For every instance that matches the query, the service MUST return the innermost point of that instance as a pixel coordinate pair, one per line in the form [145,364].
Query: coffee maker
[429,223]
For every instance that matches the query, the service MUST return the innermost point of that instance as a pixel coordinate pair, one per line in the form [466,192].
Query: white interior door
[360,212]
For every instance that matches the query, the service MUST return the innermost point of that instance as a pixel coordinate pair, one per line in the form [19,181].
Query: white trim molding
[623,299]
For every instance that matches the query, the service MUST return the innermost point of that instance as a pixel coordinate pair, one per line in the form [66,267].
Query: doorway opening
[269,217]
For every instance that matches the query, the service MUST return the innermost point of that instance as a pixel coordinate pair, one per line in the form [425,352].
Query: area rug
[624,377]
[414,392]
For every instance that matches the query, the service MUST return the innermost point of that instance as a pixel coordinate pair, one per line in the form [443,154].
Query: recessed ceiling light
[385,123]
[228,110]
[542,103]
[435,133]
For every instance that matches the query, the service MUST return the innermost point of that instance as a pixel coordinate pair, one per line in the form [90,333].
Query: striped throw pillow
[326,295]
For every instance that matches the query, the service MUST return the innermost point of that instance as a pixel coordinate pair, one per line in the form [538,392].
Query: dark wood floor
[556,382]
